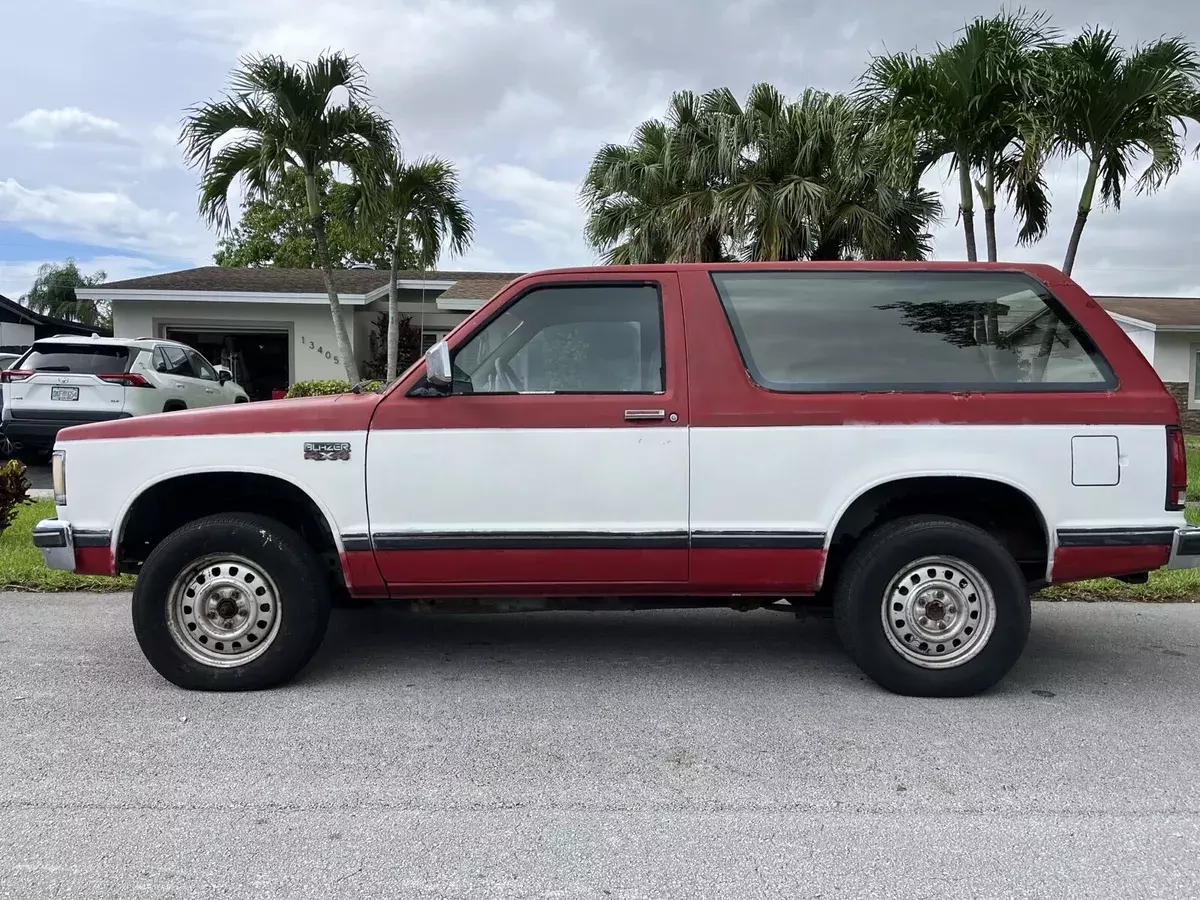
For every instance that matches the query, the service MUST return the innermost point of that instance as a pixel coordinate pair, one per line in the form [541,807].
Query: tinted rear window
[77,360]
[914,331]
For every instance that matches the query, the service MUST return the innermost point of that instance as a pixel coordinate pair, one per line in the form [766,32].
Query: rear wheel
[932,607]
[230,602]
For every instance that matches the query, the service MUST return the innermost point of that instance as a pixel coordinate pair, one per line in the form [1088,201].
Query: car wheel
[932,607]
[230,602]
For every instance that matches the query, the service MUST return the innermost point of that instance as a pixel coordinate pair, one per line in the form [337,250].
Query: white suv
[66,380]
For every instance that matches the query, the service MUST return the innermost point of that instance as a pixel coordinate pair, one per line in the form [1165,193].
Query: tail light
[129,379]
[8,376]
[1176,469]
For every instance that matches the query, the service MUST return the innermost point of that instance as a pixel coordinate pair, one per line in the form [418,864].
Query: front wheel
[230,602]
[932,607]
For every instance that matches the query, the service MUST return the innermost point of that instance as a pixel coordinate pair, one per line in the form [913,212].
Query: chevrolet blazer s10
[914,446]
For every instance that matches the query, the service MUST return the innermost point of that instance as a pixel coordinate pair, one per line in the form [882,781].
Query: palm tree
[966,103]
[813,183]
[281,116]
[652,201]
[53,293]
[1114,107]
[421,208]
[772,179]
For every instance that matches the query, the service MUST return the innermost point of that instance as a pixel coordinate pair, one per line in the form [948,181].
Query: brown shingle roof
[1163,312]
[473,285]
[477,285]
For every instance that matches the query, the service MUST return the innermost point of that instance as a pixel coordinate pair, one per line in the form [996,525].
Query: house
[20,326]
[272,327]
[1167,331]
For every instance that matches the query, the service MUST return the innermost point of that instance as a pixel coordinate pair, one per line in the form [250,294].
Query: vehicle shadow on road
[363,642]
[373,643]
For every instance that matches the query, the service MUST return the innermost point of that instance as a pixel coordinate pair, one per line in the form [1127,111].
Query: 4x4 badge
[327,451]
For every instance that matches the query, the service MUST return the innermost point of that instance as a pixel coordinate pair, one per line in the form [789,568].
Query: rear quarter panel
[793,462]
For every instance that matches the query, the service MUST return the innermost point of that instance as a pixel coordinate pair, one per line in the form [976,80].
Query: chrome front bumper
[54,539]
[1185,548]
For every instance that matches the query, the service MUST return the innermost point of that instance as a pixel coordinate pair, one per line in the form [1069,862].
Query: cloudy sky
[519,93]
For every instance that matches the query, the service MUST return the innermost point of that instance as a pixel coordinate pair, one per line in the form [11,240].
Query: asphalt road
[650,755]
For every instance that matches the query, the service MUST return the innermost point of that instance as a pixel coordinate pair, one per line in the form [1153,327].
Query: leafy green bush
[319,387]
[14,491]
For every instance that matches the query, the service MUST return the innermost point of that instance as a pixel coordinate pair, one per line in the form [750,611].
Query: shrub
[318,387]
[407,352]
[14,491]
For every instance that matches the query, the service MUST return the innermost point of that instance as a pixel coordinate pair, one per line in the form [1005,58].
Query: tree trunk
[989,209]
[393,334]
[1081,217]
[967,206]
[345,351]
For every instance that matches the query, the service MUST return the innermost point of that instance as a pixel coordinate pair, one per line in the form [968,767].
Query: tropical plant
[276,230]
[773,179]
[408,344]
[277,117]
[14,490]
[53,294]
[420,208]
[1115,107]
[323,387]
[966,103]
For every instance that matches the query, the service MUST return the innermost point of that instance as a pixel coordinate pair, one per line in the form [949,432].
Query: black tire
[881,557]
[174,406]
[292,566]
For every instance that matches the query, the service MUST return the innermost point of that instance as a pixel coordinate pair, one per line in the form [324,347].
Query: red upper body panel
[714,387]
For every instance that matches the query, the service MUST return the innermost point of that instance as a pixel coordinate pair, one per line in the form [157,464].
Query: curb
[41,494]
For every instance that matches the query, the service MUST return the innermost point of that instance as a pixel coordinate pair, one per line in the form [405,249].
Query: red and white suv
[917,446]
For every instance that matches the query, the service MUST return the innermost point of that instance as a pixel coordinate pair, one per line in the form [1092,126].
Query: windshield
[77,359]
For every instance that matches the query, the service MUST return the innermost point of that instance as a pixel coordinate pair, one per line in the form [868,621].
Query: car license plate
[64,393]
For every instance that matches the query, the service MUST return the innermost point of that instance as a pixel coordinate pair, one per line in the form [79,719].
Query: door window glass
[604,339]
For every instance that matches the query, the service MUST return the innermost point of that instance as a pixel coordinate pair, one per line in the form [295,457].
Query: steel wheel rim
[223,610]
[939,612]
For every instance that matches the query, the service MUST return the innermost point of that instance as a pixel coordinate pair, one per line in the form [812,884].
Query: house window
[429,338]
[1194,394]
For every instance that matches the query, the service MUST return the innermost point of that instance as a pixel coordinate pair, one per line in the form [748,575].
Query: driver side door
[560,460]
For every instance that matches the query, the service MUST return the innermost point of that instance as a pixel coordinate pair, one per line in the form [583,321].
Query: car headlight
[58,474]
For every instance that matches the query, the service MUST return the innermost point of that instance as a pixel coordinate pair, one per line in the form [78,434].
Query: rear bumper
[40,431]
[73,550]
[1185,549]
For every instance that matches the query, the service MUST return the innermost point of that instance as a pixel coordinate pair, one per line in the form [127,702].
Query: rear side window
[81,359]
[907,331]
[173,361]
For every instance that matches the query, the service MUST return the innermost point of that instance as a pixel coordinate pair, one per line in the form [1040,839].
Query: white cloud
[53,127]
[100,218]
[519,93]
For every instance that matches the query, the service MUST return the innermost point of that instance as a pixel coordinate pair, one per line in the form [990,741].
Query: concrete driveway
[645,755]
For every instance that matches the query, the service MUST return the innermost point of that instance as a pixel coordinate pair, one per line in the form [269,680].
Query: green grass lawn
[21,563]
[21,568]
[1193,461]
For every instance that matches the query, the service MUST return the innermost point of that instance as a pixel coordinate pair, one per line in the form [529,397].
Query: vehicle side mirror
[437,364]
[223,374]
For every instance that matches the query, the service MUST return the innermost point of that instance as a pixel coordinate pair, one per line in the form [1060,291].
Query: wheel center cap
[935,610]
[226,609]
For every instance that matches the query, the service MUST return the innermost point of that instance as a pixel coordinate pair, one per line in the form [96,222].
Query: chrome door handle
[632,415]
[209,391]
